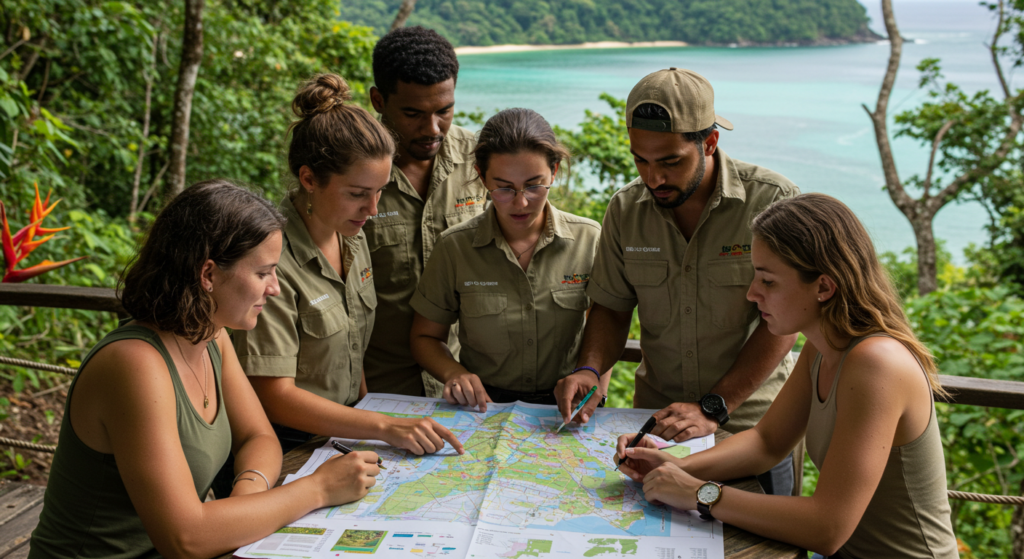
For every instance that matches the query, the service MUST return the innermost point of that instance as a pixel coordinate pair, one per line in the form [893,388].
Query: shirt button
[689,354]
[688,268]
[529,306]
[355,347]
[687,310]
[529,342]
[692,395]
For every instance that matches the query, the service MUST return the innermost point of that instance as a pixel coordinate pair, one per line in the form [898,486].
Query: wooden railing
[962,390]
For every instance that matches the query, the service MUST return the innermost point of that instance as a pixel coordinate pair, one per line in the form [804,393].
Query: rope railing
[38,366]
[1010,500]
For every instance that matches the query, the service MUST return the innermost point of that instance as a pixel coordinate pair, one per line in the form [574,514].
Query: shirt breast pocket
[482,322]
[648,280]
[389,252]
[729,281]
[569,313]
[323,341]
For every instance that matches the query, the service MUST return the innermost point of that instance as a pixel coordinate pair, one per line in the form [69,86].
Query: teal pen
[579,406]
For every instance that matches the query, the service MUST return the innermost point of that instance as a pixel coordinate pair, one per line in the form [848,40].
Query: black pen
[345,450]
[636,440]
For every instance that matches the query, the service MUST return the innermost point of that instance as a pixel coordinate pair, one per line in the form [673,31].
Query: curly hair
[332,134]
[210,220]
[413,55]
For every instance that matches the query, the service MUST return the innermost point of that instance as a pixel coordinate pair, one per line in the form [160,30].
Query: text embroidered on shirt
[481,283]
[643,249]
[366,274]
[469,201]
[576,278]
[734,250]
[384,214]
[320,298]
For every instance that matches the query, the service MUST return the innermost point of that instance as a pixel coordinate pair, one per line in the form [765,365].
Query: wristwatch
[707,495]
[714,407]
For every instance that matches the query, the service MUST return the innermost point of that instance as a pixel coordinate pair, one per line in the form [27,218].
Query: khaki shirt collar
[444,164]
[299,242]
[728,185]
[302,246]
[490,229]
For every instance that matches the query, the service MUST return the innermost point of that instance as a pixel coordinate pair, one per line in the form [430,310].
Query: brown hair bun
[320,94]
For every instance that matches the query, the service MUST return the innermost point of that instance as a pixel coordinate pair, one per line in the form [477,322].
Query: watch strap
[705,511]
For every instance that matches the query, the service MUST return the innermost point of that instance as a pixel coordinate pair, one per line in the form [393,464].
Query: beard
[683,194]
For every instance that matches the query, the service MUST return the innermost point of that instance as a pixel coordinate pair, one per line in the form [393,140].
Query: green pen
[579,406]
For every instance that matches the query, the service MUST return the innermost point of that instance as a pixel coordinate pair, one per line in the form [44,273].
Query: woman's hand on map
[347,477]
[669,485]
[641,459]
[466,390]
[418,435]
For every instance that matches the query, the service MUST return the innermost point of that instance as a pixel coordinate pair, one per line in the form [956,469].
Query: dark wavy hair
[413,55]
[332,134]
[210,220]
[515,131]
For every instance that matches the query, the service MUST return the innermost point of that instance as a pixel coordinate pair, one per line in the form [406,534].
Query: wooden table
[738,543]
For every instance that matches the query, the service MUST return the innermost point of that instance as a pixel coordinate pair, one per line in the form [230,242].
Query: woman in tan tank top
[861,393]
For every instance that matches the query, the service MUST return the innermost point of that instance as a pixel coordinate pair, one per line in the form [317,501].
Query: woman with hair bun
[861,393]
[514,277]
[305,357]
[161,401]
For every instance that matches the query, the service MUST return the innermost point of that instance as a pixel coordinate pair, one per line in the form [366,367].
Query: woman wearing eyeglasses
[514,277]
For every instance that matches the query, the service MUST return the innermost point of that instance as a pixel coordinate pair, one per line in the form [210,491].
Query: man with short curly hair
[433,186]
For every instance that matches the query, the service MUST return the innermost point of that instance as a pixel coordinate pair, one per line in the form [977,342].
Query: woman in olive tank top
[861,393]
[158,404]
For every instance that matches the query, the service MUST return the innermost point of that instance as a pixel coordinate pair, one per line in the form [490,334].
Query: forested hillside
[744,22]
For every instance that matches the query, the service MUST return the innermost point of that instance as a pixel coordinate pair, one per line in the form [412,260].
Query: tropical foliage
[497,22]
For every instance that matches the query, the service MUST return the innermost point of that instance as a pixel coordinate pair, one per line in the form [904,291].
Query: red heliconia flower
[22,243]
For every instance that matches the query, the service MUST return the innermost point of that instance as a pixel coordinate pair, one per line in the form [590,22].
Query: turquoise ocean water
[796,110]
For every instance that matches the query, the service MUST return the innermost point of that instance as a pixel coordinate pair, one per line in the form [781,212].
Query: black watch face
[712,404]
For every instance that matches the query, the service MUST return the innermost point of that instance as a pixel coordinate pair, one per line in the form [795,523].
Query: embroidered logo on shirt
[366,274]
[469,201]
[384,214]
[734,250]
[643,249]
[318,299]
[481,283]
[576,278]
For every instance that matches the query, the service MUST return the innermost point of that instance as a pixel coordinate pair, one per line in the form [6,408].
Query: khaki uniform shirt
[519,330]
[694,314]
[401,237]
[318,327]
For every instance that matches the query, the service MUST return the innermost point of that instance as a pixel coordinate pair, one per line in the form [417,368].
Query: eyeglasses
[532,193]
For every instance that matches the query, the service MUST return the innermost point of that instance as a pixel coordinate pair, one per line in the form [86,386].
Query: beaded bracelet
[586,368]
[257,472]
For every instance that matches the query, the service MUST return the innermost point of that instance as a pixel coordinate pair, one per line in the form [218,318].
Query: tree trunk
[927,263]
[134,206]
[1017,529]
[191,56]
[404,11]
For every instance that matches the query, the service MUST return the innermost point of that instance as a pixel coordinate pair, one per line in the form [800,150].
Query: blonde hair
[819,235]
[332,134]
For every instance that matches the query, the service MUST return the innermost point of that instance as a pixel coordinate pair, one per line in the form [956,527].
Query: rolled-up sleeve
[435,297]
[271,349]
[608,286]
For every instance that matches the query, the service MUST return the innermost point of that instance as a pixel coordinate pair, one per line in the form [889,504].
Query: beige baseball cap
[686,95]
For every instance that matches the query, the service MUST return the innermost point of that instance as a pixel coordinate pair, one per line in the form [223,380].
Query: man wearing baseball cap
[676,243]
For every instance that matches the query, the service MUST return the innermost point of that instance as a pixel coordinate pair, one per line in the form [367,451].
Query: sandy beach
[598,45]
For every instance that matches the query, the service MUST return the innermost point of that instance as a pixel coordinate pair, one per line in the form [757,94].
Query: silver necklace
[520,255]
[206,374]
